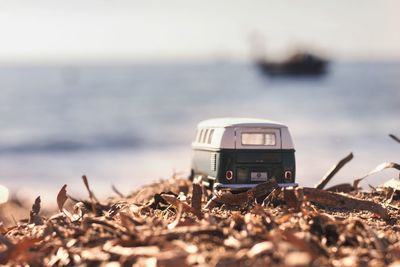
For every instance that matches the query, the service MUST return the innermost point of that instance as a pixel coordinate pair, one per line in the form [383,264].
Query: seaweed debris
[174,223]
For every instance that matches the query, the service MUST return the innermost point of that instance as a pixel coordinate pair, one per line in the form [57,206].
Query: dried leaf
[212,203]
[3,230]
[175,223]
[393,183]
[136,251]
[232,242]
[329,175]
[273,195]
[335,200]
[34,213]
[389,195]
[382,166]
[93,199]
[344,188]
[248,234]
[117,191]
[22,247]
[260,248]
[62,197]
[356,183]
[379,168]
[193,230]
[196,196]
[291,199]
[16,252]
[86,182]
[244,198]
[298,242]
[298,259]
[395,138]
[6,254]
[175,258]
[185,207]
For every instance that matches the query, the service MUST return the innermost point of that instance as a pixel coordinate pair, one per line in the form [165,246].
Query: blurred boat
[301,63]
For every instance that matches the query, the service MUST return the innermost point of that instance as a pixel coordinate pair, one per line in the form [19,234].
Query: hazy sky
[99,30]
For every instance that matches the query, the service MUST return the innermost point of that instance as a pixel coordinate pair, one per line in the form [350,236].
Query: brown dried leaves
[335,168]
[34,216]
[335,200]
[185,207]
[302,226]
[19,252]
[244,198]
[62,197]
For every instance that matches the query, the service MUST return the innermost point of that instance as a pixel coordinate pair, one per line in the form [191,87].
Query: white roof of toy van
[239,122]
[224,132]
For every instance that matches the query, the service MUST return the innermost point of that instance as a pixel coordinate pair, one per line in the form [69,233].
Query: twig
[93,199]
[116,191]
[91,194]
[395,138]
[328,176]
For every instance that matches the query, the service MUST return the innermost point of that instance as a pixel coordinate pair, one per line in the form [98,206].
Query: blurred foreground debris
[172,223]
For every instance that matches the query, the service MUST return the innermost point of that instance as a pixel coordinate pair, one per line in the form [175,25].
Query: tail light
[288,175]
[229,175]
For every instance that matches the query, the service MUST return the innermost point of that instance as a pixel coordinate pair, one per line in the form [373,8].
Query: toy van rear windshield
[258,139]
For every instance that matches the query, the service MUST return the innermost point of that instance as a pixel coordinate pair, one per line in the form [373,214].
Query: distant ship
[301,63]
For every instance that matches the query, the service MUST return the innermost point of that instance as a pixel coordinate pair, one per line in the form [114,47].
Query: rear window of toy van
[258,139]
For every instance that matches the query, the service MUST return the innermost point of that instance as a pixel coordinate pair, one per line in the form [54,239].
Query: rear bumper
[247,186]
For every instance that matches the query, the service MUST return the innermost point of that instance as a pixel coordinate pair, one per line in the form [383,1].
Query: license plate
[259,176]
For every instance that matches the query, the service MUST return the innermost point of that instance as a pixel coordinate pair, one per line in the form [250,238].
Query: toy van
[239,153]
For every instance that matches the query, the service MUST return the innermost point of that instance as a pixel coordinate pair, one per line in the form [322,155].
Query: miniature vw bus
[239,153]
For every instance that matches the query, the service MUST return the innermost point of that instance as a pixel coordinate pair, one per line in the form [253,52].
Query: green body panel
[242,162]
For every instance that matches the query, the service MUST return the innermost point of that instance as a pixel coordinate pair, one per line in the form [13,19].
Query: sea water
[130,125]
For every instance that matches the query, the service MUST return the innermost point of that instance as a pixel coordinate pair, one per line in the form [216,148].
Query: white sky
[85,30]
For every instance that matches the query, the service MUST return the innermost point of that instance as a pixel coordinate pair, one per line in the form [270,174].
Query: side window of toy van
[210,136]
[203,140]
[200,135]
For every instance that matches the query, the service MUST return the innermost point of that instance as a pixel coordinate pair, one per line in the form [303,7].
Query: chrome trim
[243,186]
[289,185]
